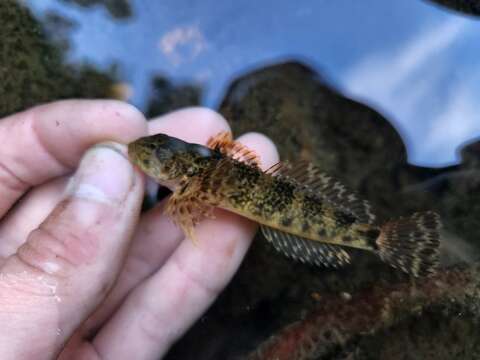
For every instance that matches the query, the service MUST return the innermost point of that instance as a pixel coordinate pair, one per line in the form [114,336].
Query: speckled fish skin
[281,204]
[285,206]
[248,191]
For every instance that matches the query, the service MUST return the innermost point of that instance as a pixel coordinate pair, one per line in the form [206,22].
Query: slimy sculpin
[304,213]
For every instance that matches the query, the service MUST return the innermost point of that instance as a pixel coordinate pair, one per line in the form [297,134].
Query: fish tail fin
[411,244]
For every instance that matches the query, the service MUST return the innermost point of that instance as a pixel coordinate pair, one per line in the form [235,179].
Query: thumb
[67,265]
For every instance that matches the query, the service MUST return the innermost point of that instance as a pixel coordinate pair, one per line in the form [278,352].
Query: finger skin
[29,212]
[194,125]
[159,311]
[156,236]
[47,141]
[69,263]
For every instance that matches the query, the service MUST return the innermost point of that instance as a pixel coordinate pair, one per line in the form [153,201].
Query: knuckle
[10,180]
[55,251]
[153,324]
[199,279]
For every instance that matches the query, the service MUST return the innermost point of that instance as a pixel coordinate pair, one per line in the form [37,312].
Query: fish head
[166,158]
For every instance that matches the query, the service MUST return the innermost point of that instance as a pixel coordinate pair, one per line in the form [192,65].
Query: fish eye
[200,150]
[175,145]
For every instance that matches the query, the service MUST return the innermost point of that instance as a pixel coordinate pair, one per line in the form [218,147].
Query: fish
[306,214]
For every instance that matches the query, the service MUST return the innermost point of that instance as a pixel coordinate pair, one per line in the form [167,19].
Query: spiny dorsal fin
[224,143]
[325,187]
[306,251]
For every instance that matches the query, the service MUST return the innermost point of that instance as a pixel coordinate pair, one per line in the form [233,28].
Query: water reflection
[420,83]
[410,59]
[422,72]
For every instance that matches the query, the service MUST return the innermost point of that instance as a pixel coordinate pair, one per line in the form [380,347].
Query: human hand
[82,274]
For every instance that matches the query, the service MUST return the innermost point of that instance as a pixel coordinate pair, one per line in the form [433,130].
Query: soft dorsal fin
[224,143]
[325,187]
[305,250]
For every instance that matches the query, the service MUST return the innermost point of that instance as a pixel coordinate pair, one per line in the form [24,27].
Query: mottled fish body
[305,214]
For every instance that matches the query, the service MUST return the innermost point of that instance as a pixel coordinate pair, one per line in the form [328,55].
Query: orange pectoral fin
[186,210]
[179,213]
[224,143]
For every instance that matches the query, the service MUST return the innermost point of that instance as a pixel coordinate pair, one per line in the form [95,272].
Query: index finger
[194,124]
[48,141]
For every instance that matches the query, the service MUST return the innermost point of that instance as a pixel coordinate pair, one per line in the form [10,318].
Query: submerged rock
[166,96]
[471,7]
[119,9]
[433,318]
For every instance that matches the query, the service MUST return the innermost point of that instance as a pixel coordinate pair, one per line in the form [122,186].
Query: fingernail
[104,175]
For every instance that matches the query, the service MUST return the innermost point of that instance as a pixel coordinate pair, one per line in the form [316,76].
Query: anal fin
[305,250]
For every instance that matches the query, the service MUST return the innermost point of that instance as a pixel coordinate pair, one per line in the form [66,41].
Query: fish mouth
[132,152]
[137,153]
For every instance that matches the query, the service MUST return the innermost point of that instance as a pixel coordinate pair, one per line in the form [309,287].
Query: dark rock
[297,109]
[119,9]
[166,96]
[471,7]
[433,318]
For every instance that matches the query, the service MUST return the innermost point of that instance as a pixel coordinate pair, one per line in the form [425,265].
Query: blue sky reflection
[412,61]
